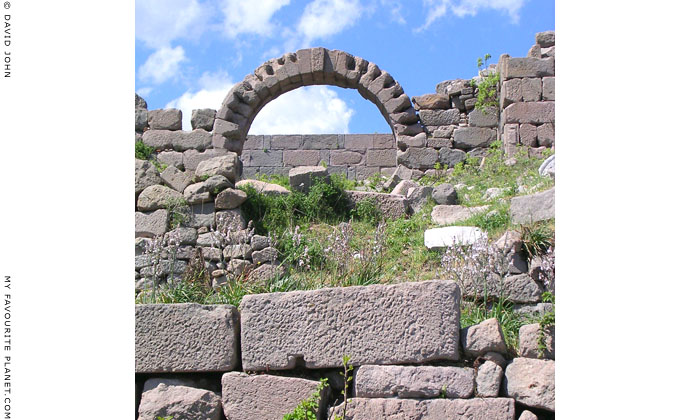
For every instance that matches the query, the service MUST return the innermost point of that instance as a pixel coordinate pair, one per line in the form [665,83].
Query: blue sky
[188,53]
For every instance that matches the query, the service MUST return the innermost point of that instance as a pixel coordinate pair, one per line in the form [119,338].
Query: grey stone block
[549,88]
[531,89]
[418,157]
[265,397]
[412,141]
[471,137]
[149,225]
[171,158]
[158,139]
[449,214]
[484,337]
[165,119]
[546,135]
[377,324]
[257,143]
[451,157]
[444,194]
[546,39]
[303,177]
[484,118]
[145,175]
[439,143]
[186,337]
[529,112]
[438,117]
[414,382]
[176,179]
[230,198]
[532,208]
[529,342]
[365,172]
[227,166]
[301,157]
[431,101]
[527,67]
[179,402]
[198,139]
[139,102]
[156,197]
[531,382]
[266,255]
[511,92]
[391,205]
[291,142]
[437,409]
[383,141]
[203,119]
[192,158]
[359,141]
[320,141]
[382,157]
[346,157]
[489,377]
[528,135]
[140,119]
[266,158]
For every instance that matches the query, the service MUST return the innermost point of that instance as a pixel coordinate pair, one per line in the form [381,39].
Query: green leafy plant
[164,418]
[308,409]
[536,239]
[487,96]
[347,377]
[547,320]
[367,211]
[142,151]
[178,211]
[444,392]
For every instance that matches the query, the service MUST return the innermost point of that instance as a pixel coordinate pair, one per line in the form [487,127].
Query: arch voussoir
[315,66]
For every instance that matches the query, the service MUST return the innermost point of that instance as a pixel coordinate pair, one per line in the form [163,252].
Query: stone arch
[314,66]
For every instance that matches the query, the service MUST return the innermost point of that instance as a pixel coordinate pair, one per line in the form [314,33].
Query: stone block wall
[411,357]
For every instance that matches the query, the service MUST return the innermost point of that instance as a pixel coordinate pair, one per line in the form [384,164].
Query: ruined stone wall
[412,358]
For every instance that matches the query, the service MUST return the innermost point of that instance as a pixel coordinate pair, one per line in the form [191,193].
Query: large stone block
[176,179]
[198,139]
[382,157]
[472,137]
[158,139]
[528,135]
[145,175]
[149,225]
[519,288]
[391,205]
[358,141]
[291,142]
[301,157]
[156,197]
[440,117]
[303,177]
[531,382]
[487,336]
[265,397]
[535,207]
[165,119]
[441,238]
[345,157]
[186,337]
[531,89]
[321,141]
[418,157]
[203,119]
[546,135]
[546,39]
[527,67]
[431,101]
[529,342]
[192,158]
[380,324]
[179,402]
[549,88]
[530,113]
[437,409]
[450,214]
[511,92]
[414,382]
[227,166]
[484,118]
[489,377]
[171,158]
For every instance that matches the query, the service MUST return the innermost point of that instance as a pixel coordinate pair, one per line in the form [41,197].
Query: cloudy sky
[189,53]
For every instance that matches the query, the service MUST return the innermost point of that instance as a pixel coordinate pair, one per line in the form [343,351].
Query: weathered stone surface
[263,187]
[531,382]
[266,255]
[238,251]
[489,377]
[437,409]
[546,39]
[438,117]
[263,274]
[531,89]
[418,197]
[391,206]
[535,207]
[530,113]
[519,288]
[378,324]
[527,67]
[445,194]
[179,402]
[546,135]
[418,157]
[237,268]
[234,219]
[381,157]
[303,177]
[403,187]
[451,157]
[139,102]
[145,175]
[529,342]
[346,157]
[227,166]
[484,118]
[549,88]
[528,135]
[259,242]
[171,158]
[203,119]
[534,51]
[528,415]
[186,235]
[265,397]
[230,199]
[176,179]
[158,139]
[414,381]
[201,215]
[165,119]
[482,338]
[186,337]
[186,140]
[320,141]
[511,92]
[448,214]
[431,101]
[383,141]
[197,193]
[192,158]
[141,117]
[149,225]
[418,140]
[440,238]
[471,137]
[301,157]
[156,197]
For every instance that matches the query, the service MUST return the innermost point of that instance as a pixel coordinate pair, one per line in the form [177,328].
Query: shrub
[142,151]
[367,211]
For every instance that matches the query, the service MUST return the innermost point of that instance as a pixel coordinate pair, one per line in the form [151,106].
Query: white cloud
[143,92]
[158,22]
[213,89]
[250,17]
[162,65]
[323,18]
[462,8]
[307,110]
